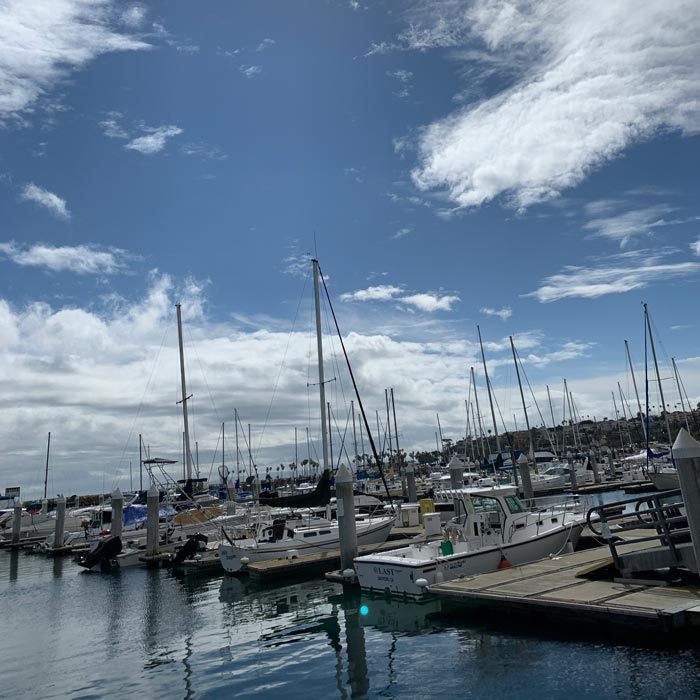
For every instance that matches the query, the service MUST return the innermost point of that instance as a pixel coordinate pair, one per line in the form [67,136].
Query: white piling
[58,538]
[524,469]
[44,506]
[346,517]
[686,453]
[456,476]
[117,513]
[16,521]
[152,521]
[593,459]
[572,471]
[411,483]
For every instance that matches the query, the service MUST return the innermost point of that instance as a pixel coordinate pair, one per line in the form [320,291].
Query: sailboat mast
[636,393]
[554,425]
[46,471]
[478,415]
[522,398]
[617,420]
[238,453]
[658,376]
[488,387]
[321,380]
[354,434]
[188,456]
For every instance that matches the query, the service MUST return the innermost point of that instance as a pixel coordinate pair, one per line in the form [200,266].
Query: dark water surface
[151,634]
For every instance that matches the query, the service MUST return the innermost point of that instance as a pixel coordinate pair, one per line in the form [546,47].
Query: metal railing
[662,512]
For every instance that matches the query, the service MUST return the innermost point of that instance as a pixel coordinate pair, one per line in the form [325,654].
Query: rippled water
[152,634]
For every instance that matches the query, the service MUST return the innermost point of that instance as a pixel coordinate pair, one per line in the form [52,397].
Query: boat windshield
[483,504]
[514,504]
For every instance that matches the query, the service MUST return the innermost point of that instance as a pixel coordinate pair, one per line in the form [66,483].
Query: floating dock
[570,586]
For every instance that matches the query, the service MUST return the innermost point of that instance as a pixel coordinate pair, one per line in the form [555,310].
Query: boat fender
[422,583]
[504,563]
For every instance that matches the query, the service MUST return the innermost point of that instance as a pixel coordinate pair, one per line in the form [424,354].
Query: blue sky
[530,167]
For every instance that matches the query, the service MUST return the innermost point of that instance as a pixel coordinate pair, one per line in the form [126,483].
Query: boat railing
[661,513]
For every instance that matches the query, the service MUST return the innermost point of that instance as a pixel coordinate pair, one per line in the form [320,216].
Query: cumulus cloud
[386,292]
[82,259]
[504,314]
[620,274]
[55,204]
[154,141]
[585,81]
[265,44]
[98,376]
[41,43]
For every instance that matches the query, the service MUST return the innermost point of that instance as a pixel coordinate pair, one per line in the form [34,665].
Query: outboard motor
[189,549]
[104,554]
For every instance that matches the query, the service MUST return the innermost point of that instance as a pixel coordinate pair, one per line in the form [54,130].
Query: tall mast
[238,453]
[188,455]
[354,434]
[680,393]
[46,472]
[330,436]
[522,398]
[554,425]
[488,387]
[636,393]
[296,453]
[478,415]
[441,445]
[321,380]
[480,443]
[658,376]
[396,431]
[617,419]
[624,413]
[140,463]
[388,425]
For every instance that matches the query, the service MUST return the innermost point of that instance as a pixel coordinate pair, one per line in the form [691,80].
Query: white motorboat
[280,541]
[492,529]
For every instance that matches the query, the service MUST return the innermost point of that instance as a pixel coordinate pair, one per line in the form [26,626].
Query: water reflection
[220,637]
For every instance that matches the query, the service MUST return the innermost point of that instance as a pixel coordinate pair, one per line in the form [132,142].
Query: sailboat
[283,540]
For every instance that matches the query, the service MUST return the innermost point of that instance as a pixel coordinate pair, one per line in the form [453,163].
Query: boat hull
[393,574]
[235,557]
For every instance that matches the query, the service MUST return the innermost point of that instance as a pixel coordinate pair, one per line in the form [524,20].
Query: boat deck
[563,587]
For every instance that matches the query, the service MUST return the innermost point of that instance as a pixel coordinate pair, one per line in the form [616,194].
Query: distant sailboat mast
[188,455]
[658,376]
[321,379]
[46,472]
[488,387]
[636,393]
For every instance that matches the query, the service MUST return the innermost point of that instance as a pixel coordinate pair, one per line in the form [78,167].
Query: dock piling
[58,537]
[686,453]
[117,513]
[411,483]
[152,521]
[346,517]
[524,469]
[16,521]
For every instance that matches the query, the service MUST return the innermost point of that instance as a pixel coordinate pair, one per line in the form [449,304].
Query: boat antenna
[357,393]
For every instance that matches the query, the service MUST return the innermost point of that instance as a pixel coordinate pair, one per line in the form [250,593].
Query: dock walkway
[560,587]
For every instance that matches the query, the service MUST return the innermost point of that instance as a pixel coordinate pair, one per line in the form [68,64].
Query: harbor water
[67,633]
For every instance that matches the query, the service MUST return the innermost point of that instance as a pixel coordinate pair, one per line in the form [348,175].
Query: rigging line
[213,459]
[549,437]
[283,363]
[357,393]
[138,411]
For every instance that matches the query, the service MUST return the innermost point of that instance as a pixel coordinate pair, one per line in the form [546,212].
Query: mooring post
[593,460]
[686,453]
[16,521]
[572,471]
[524,468]
[58,537]
[346,517]
[152,521]
[456,476]
[117,513]
[411,483]
[44,506]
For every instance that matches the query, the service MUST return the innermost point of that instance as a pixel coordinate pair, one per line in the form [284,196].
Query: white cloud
[386,292]
[82,259]
[42,42]
[112,127]
[638,222]
[587,80]
[154,141]
[404,78]
[266,44]
[382,292]
[250,71]
[46,199]
[504,314]
[401,233]
[203,150]
[134,16]
[695,247]
[430,302]
[621,274]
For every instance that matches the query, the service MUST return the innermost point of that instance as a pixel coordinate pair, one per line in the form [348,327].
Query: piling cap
[685,446]
[117,493]
[410,469]
[522,459]
[152,491]
[343,475]
[60,498]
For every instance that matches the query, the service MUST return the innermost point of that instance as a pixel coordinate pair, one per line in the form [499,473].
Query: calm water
[151,634]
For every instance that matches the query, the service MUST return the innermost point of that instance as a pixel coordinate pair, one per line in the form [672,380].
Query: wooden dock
[571,586]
